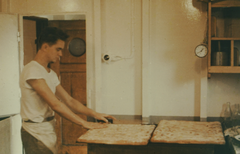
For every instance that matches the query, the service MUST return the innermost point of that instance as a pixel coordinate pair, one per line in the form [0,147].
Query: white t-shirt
[33,107]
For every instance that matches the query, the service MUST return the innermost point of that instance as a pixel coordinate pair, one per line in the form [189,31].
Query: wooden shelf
[224,69]
[225,38]
[224,17]
[230,3]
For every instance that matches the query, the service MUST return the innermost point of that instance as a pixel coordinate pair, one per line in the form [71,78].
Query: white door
[9,66]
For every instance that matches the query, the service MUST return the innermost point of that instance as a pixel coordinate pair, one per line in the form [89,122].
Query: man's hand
[102,116]
[92,125]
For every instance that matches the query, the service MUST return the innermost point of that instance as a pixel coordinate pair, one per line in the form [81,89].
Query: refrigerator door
[9,65]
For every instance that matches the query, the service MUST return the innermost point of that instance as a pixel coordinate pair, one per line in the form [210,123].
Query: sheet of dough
[119,134]
[188,132]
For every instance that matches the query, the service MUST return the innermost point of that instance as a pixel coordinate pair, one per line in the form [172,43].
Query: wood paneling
[72,83]
[79,87]
[70,68]
[71,132]
[75,24]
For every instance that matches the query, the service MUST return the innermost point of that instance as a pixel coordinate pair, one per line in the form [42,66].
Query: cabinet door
[9,65]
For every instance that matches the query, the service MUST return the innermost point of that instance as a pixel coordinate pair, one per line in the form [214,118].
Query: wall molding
[97,54]
[145,59]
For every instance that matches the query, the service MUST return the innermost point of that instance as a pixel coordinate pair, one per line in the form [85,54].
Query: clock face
[201,50]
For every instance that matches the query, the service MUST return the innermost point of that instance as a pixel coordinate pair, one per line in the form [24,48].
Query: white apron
[44,131]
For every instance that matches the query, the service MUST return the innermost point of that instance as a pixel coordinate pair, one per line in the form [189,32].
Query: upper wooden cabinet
[224,37]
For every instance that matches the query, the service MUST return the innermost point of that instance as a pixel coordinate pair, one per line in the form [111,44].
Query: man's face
[55,51]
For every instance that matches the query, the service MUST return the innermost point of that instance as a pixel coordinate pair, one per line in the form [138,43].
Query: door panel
[72,71]
[70,68]
[70,131]
[66,81]
[79,87]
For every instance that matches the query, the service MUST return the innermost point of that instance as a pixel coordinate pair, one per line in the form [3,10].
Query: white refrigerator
[10,121]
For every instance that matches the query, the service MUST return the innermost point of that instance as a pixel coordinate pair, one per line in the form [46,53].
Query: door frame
[93,54]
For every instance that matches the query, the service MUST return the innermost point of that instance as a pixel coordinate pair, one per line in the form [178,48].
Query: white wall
[175,73]
[175,70]
[121,36]
[176,28]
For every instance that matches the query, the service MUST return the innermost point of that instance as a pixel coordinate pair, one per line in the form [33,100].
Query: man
[42,94]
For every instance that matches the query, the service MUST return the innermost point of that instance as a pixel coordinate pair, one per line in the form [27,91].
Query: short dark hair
[50,35]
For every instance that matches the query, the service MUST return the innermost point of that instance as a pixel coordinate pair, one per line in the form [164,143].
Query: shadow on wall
[186,28]
[175,33]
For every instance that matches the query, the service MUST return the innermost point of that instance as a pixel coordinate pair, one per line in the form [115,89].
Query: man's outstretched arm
[42,89]
[78,107]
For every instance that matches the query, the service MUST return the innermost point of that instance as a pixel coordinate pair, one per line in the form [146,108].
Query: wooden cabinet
[224,37]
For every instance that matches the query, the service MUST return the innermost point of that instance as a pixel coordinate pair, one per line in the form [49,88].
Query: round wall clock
[201,50]
[77,47]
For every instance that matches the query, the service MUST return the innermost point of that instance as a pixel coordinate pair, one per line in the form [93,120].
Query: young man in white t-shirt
[41,91]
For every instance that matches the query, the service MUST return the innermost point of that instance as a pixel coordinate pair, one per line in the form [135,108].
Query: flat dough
[119,134]
[188,132]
